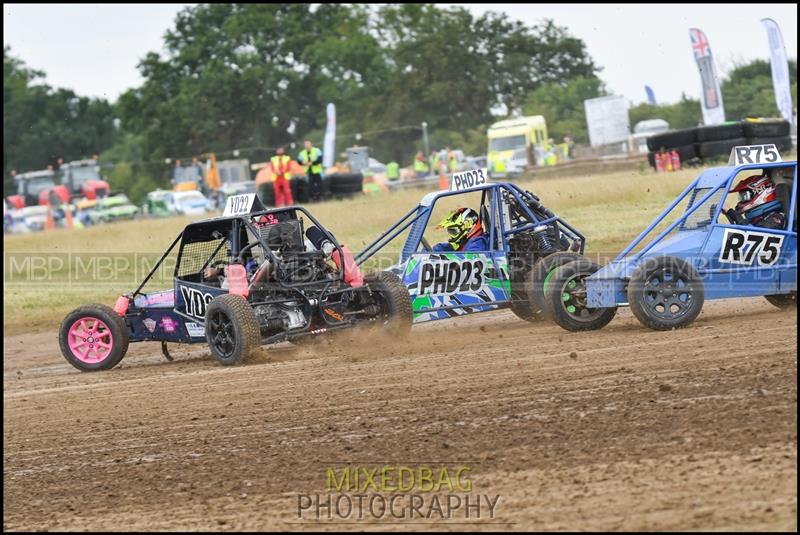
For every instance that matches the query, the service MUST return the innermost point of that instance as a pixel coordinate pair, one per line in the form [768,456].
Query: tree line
[256,76]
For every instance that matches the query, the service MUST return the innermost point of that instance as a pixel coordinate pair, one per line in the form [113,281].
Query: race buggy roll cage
[240,221]
[714,180]
[321,292]
[528,203]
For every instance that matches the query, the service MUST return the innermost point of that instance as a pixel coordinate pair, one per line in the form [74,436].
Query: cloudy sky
[94,49]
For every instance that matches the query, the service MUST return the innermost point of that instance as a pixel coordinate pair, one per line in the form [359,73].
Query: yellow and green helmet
[461,224]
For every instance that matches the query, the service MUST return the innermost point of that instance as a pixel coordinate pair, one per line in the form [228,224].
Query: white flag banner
[328,150]
[780,68]
[711,101]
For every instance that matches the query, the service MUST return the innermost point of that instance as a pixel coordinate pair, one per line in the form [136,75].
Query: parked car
[114,208]
[34,217]
[15,222]
[156,203]
[84,210]
[188,203]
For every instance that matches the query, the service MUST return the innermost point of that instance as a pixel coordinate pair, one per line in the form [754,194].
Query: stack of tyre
[345,184]
[716,141]
[769,132]
[301,191]
[684,141]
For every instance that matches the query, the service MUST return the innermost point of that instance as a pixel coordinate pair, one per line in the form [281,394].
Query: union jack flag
[699,43]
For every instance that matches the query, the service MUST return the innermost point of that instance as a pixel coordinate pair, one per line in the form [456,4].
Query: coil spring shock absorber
[543,239]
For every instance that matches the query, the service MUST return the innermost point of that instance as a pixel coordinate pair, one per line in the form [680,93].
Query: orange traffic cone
[443,182]
[68,214]
[50,224]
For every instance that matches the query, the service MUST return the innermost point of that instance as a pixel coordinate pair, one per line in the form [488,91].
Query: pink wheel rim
[90,340]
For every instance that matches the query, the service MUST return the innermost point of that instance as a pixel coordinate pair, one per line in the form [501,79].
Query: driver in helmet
[465,232]
[251,264]
[758,204]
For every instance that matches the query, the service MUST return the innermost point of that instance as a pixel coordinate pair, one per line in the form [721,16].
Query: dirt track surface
[620,429]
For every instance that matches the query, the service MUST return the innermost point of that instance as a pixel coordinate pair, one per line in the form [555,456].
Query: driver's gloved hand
[212,272]
[734,217]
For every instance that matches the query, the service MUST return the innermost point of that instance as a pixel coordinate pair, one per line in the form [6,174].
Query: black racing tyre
[266,193]
[766,128]
[720,132]
[539,279]
[716,149]
[783,301]
[565,298]
[521,304]
[346,189]
[326,188]
[782,143]
[346,184]
[93,337]
[300,189]
[232,330]
[525,311]
[394,300]
[666,293]
[674,138]
[346,178]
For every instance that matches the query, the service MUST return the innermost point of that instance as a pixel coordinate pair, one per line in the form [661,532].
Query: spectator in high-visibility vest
[434,160]
[393,171]
[452,162]
[420,164]
[311,158]
[279,165]
[550,149]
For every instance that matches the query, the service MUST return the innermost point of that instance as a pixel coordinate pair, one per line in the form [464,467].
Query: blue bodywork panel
[153,318]
[447,284]
[733,260]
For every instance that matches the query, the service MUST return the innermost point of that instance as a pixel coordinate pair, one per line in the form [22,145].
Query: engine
[280,317]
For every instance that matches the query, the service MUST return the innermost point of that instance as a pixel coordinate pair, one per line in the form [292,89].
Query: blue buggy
[525,242]
[697,250]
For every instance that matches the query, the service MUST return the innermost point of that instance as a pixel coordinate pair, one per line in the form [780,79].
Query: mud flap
[165,351]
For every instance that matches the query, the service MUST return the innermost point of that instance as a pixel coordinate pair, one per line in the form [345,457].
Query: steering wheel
[728,215]
[244,249]
[425,245]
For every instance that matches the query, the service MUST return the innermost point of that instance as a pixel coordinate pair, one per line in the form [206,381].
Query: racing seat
[784,195]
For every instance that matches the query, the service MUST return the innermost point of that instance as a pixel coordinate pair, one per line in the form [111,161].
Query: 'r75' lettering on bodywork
[744,247]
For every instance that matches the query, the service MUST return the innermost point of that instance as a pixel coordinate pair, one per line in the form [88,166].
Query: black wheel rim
[221,330]
[668,294]
[573,299]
